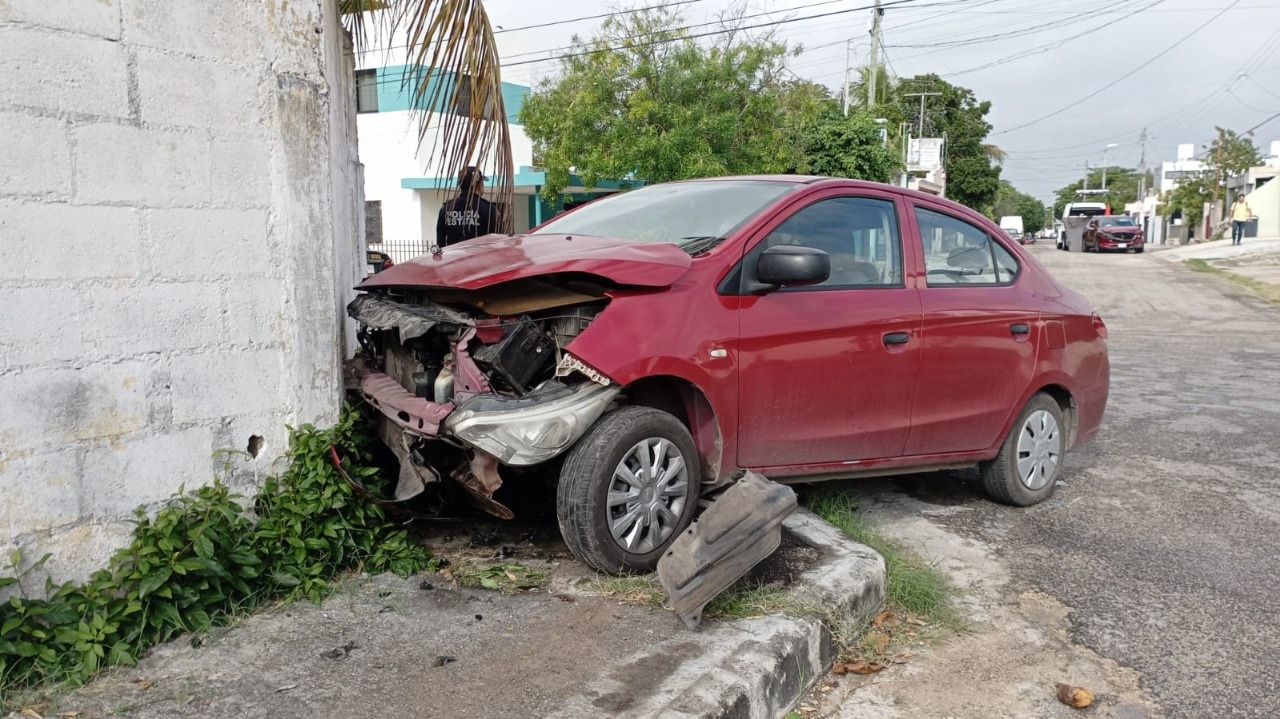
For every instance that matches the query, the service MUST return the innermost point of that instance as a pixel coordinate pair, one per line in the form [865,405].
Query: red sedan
[1113,232]
[646,349]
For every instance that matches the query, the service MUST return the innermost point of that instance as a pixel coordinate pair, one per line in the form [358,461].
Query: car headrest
[969,258]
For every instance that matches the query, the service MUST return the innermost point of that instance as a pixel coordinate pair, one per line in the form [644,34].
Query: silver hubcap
[1039,450]
[647,495]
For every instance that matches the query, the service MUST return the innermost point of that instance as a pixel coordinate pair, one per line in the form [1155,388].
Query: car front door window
[860,234]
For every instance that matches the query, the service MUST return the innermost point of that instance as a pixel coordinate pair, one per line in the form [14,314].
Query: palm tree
[450,39]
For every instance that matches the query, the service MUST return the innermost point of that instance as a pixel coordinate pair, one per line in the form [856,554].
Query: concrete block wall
[179,233]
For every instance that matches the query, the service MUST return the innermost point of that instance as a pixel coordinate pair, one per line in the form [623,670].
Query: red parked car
[1112,232]
[648,348]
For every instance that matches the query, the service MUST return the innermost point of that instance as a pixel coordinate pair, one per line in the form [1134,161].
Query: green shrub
[204,559]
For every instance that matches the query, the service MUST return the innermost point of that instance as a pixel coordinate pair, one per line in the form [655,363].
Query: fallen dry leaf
[142,684]
[917,622]
[880,643]
[69,715]
[883,618]
[1077,697]
[861,666]
[29,712]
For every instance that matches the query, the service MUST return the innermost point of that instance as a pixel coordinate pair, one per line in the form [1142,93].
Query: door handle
[897,338]
[1020,328]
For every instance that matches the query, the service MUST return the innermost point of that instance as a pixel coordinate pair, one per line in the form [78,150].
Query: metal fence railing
[401,250]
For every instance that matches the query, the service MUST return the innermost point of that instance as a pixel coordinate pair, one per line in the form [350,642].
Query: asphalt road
[1165,540]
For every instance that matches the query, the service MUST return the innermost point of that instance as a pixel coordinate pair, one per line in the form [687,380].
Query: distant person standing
[468,215]
[1240,214]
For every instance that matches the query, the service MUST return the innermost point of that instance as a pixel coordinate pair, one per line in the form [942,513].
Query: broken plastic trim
[569,364]
[739,530]
[531,429]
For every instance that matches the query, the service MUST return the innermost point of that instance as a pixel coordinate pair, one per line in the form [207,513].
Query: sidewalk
[1218,249]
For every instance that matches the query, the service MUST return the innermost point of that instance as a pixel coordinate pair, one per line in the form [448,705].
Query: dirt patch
[1016,647]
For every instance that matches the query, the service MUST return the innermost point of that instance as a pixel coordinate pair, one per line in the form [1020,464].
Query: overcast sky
[1225,73]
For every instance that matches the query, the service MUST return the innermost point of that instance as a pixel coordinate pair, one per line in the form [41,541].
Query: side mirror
[793,266]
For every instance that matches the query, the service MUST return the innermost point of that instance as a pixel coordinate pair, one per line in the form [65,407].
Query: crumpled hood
[491,260]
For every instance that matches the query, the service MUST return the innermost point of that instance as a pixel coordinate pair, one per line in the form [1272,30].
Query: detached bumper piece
[739,530]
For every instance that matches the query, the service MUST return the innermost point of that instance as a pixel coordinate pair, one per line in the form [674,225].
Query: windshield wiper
[698,244]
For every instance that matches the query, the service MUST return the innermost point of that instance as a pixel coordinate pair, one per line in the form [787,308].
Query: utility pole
[848,53]
[922,96]
[874,62]
[1217,175]
[1142,167]
[1086,176]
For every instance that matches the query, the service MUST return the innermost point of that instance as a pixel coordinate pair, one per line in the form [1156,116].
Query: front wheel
[627,489]
[1026,470]
[1138,251]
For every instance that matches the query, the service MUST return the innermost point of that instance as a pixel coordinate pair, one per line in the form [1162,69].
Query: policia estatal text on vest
[468,215]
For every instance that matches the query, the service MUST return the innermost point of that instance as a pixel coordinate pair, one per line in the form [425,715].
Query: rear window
[1117,221]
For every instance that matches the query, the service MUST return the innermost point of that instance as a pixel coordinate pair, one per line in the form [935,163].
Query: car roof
[821,179]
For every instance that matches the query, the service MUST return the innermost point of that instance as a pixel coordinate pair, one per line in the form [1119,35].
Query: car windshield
[694,215]
[1116,222]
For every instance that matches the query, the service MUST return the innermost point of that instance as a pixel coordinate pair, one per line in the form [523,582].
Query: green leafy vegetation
[508,578]
[206,557]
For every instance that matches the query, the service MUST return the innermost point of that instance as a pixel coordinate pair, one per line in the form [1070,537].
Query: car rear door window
[959,253]
[860,234]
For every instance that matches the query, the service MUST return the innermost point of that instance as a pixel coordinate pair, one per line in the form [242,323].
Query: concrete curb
[749,668]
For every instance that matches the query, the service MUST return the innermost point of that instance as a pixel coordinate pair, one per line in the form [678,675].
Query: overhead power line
[1125,76]
[739,28]
[601,16]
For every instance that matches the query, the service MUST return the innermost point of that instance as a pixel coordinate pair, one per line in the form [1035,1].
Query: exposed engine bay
[466,380]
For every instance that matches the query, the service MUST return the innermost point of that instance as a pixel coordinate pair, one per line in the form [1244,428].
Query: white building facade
[404,184]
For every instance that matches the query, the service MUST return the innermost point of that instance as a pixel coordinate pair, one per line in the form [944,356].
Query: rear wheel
[1030,460]
[627,489]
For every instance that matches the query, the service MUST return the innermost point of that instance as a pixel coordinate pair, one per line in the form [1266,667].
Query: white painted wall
[390,152]
[179,230]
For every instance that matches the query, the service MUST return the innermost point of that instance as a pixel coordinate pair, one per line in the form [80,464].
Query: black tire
[581,497]
[1139,250]
[1000,476]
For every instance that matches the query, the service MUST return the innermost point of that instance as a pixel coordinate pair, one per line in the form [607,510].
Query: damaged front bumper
[520,431]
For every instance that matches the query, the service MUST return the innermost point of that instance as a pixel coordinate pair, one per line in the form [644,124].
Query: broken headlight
[531,429]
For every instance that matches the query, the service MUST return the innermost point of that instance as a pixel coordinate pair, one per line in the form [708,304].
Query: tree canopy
[1009,201]
[973,174]
[1122,188]
[643,100]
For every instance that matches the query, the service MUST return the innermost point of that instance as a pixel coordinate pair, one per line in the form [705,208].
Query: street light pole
[1104,164]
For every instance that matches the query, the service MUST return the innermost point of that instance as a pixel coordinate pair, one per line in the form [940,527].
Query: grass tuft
[912,585]
[1266,290]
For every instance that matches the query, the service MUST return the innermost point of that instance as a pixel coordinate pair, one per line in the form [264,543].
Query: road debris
[339,652]
[1077,697]
[740,529]
[443,660]
[860,666]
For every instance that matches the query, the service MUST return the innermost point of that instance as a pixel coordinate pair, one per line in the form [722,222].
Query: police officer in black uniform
[468,215]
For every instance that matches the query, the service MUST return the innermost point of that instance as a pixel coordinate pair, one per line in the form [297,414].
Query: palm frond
[455,81]
[994,153]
